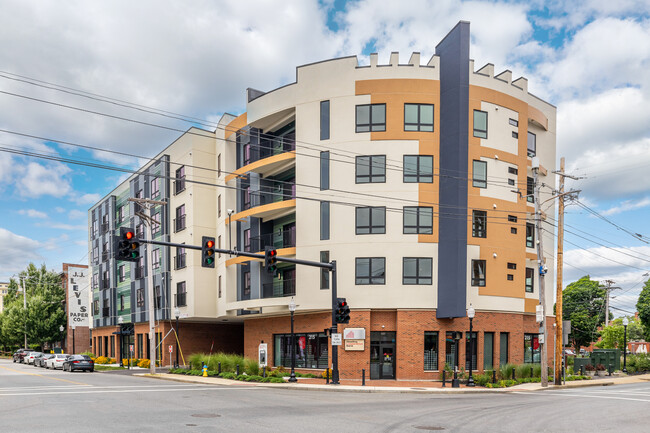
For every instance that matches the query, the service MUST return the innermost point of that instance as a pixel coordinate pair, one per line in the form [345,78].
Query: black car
[78,362]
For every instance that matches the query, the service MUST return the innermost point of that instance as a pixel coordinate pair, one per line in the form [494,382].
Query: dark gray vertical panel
[324,170]
[324,220]
[324,120]
[454,107]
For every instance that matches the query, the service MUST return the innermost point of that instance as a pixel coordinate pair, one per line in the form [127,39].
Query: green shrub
[523,371]
[228,362]
[276,380]
[505,371]
[228,375]
[482,379]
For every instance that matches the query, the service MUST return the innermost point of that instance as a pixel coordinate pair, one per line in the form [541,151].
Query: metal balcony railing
[104,227]
[270,192]
[180,261]
[105,256]
[283,239]
[181,299]
[179,223]
[179,186]
[105,312]
[268,146]
[279,288]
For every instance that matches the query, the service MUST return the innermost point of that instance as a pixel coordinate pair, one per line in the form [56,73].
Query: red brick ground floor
[399,344]
[192,338]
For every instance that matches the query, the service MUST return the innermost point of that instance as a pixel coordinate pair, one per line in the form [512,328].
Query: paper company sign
[78,303]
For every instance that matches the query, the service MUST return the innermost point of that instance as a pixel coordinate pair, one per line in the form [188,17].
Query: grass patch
[107,368]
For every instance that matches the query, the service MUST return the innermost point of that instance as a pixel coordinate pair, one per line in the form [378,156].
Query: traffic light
[342,311]
[271,260]
[207,252]
[127,246]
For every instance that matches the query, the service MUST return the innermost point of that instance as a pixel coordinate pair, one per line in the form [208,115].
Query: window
[530,190]
[474,349]
[179,223]
[181,294]
[247,154]
[532,353]
[157,296]
[155,187]
[430,350]
[219,206]
[532,144]
[479,224]
[512,266]
[450,349]
[181,257]
[370,220]
[140,346]
[515,134]
[417,270]
[418,169]
[418,220]
[310,350]
[95,281]
[513,170]
[324,220]
[324,170]
[478,273]
[513,122]
[370,270]
[418,117]
[120,214]
[479,174]
[513,230]
[96,307]
[480,124]
[247,284]
[140,297]
[511,277]
[371,169]
[530,235]
[179,183]
[121,302]
[512,218]
[219,245]
[371,117]
[155,258]
[96,254]
[488,351]
[219,165]
[324,273]
[155,227]
[324,120]
[247,241]
[219,285]
[95,227]
[511,182]
[121,270]
[105,309]
[503,349]
[530,280]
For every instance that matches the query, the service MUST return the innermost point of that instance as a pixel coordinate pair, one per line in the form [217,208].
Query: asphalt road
[34,399]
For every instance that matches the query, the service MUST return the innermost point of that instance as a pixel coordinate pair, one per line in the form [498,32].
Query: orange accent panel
[261,163]
[264,208]
[281,252]
[531,256]
[395,93]
[538,117]
[530,305]
[237,123]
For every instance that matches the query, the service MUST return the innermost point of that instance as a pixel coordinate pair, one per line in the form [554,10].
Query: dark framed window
[324,220]
[155,226]
[479,174]
[479,224]
[157,296]
[503,349]
[513,170]
[219,165]
[121,271]
[417,270]
[418,117]
[219,206]
[247,284]
[139,297]
[179,223]
[324,170]
[370,270]
[530,280]
[418,169]
[512,218]
[513,230]
[478,273]
[418,220]
[219,286]
[450,349]
[121,302]
[324,273]
[530,190]
[155,187]
[488,351]
[96,307]
[511,277]
[473,341]
[310,350]
[179,183]
[530,235]
[181,258]
[532,352]
[480,124]
[106,310]
[370,220]
[511,182]
[512,266]
[430,350]
[370,169]
[532,144]
[324,120]
[371,117]
[247,240]
[515,134]
[181,294]
[513,122]
[155,258]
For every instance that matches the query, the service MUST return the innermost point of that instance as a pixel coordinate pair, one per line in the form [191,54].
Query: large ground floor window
[532,353]
[310,350]
[430,350]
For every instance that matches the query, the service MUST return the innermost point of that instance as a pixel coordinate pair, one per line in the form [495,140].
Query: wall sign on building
[78,304]
[352,345]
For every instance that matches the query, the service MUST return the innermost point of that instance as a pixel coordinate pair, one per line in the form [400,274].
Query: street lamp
[625,323]
[61,329]
[470,314]
[292,378]
[120,321]
[177,312]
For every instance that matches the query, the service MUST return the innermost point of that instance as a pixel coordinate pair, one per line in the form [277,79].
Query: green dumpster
[606,357]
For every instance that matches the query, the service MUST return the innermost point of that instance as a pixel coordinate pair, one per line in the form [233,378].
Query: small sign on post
[539,313]
[171,348]
[337,339]
[131,348]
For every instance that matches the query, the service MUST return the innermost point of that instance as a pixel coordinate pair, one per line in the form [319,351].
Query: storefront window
[531,349]
[430,350]
[311,350]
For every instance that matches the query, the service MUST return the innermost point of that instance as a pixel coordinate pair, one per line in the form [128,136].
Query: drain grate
[191,425]
[419,389]
[430,428]
[205,415]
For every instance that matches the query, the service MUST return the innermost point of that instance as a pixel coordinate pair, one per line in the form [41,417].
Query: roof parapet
[522,83]
[505,76]
[415,59]
[487,70]
[394,58]
[373,59]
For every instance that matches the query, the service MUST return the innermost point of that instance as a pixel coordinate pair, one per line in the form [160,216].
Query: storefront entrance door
[382,355]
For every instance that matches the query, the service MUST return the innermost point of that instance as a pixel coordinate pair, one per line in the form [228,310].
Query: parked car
[78,362]
[40,361]
[19,354]
[29,359]
[56,361]
[37,359]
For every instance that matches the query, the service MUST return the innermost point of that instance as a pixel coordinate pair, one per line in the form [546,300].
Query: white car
[29,359]
[56,361]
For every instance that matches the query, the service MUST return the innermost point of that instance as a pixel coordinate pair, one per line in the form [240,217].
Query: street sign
[337,339]
[171,348]
[261,355]
[539,313]
[131,348]
[566,330]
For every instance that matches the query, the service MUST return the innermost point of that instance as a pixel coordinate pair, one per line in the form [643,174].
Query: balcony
[179,223]
[105,256]
[269,146]
[283,239]
[103,228]
[105,283]
[180,261]
[279,288]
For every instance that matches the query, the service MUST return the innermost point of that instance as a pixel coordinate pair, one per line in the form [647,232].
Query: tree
[584,305]
[613,336]
[643,307]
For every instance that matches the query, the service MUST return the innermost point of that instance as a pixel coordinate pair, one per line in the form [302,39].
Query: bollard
[582,370]
[264,372]
[237,371]
[444,378]
[609,367]
[327,376]
[205,371]
[363,377]
[455,383]
[219,368]
[494,376]
[531,372]
[513,373]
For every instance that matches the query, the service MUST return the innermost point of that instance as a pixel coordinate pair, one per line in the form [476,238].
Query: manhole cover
[419,389]
[430,428]
[190,425]
[205,415]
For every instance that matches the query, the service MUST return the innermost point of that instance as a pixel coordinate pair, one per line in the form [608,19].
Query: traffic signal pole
[335,349]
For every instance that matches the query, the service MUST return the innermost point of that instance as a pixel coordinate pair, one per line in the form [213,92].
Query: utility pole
[148,221]
[608,288]
[541,273]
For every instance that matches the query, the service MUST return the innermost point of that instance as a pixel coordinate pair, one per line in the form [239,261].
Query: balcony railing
[180,261]
[103,227]
[105,256]
[269,146]
[105,284]
[179,186]
[181,299]
[283,239]
[270,192]
[139,272]
[279,288]
[179,223]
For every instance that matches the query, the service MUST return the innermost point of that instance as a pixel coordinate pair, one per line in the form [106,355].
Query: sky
[591,59]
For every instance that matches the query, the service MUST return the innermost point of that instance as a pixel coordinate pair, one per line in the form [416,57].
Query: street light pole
[120,321]
[73,349]
[177,312]
[470,314]
[625,323]
[292,378]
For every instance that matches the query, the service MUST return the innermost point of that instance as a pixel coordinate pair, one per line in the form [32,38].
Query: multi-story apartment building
[415,178]
[4,289]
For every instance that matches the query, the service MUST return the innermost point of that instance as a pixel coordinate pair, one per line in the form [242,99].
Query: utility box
[606,357]
[580,362]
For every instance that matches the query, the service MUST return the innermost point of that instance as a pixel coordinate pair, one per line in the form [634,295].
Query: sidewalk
[399,386]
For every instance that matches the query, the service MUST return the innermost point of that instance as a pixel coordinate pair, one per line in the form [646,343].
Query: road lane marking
[48,377]
[119,391]
[566,394]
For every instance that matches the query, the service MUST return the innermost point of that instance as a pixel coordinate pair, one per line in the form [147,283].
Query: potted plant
[600,369]
[590,369]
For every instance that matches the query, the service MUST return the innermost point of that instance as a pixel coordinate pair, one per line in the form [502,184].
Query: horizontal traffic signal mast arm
[240,253]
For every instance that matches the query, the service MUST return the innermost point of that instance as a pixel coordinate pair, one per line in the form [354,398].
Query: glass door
[382,355]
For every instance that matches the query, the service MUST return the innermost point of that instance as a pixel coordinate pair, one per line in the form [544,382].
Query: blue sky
[589,58]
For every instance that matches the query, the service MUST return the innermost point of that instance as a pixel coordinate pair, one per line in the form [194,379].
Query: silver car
[29,359]
[56,361]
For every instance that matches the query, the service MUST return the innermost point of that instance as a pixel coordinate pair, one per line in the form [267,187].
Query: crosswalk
[638,393]
[93,389]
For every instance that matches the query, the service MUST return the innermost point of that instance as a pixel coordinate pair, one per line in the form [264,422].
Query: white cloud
[60,226]
[16,253]
[36,180]
[76,214]
[88,199]
[32,213]
[628,205]
[59,209]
